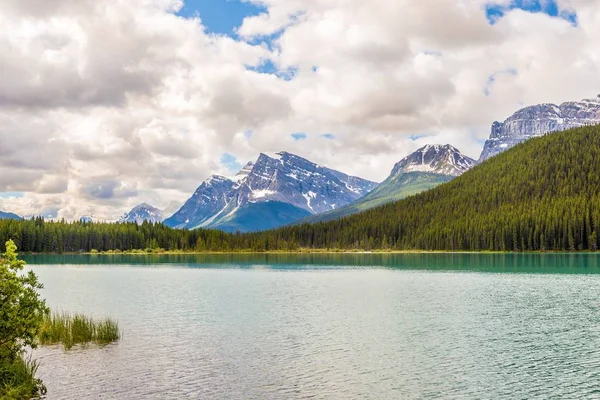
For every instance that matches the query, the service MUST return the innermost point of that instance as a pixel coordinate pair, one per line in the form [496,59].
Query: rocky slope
[539,120]
[275,190]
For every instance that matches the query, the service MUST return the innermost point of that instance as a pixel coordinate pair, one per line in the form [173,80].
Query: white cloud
[108,103]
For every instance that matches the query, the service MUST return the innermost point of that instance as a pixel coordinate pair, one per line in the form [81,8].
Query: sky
[105,104]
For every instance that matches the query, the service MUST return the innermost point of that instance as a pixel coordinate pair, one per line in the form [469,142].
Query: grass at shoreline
[72,329]
[18,381]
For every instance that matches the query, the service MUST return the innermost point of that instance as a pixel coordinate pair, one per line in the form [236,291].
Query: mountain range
[275,190]
[282,188]
[542,195]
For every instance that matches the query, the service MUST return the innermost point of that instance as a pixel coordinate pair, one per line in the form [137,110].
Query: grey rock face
[282,177]
[437,159]
[143,212]
[211,197]
[540,120]
[291,179]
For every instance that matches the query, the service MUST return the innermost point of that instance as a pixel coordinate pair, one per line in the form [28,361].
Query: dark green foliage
[543,194]
[21,312]
[37,235]
[21,309]
[18,381]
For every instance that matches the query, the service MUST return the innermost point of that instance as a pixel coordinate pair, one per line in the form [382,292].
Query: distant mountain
[275,190]
[211,197]
[539,120]
[7,215]
[143,212]
[434,159]
[424,169]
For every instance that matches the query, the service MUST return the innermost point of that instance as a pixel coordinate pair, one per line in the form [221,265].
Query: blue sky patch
[231,162]
[494,11]
[492,79]
[220,16]
[416,137]
[268,67]
[18,195]
[298,136]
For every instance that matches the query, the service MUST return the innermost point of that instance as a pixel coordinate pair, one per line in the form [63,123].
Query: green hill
[392,189]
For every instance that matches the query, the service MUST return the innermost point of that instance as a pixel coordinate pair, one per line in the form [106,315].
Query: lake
[368,326]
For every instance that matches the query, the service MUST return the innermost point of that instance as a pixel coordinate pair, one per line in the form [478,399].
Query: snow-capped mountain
[274,190]
[211,197]
[539,120]
[143,212]
[436,159]
[7,215]
[424,169]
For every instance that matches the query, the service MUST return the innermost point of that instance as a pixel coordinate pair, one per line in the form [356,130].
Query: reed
[72,329]
[17,379]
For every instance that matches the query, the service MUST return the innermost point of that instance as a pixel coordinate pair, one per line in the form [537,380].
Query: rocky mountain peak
[437,159]
[276,178]
[539,120]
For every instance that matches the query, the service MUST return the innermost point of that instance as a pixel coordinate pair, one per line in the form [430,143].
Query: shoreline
[300,252]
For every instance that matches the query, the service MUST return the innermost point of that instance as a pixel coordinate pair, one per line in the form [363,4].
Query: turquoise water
[547,263]
[320,326]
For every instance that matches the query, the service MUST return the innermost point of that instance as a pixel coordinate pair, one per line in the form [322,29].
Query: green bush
[18,381]
[21,313]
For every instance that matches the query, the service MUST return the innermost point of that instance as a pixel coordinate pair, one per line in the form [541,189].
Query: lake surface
[329,326]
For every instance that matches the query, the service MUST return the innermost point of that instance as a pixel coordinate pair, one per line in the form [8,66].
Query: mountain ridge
[423,169]
[538,120]
[276,178]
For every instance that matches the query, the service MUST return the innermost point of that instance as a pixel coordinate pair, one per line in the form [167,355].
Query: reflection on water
[570,263]
[278,327]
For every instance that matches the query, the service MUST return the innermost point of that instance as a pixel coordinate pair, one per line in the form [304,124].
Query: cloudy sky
[108,103]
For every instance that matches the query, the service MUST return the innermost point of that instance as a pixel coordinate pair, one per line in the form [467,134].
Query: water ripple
[369,334]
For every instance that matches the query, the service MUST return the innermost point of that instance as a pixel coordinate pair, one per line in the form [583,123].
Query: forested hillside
[543,194]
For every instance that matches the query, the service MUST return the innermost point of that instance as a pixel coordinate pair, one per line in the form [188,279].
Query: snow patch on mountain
[143,212]
[437,159]
[539,120]
[274,177]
